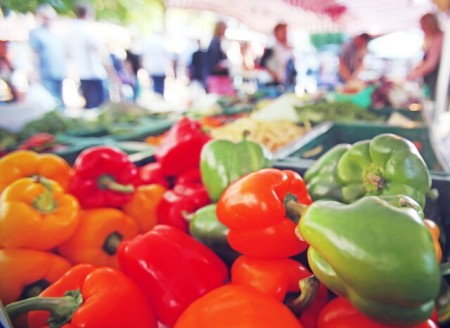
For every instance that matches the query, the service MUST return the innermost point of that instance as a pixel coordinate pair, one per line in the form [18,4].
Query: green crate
[386,112]
[326,135]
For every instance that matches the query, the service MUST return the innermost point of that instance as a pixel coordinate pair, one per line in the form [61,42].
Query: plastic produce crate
[414,115]
[328,134]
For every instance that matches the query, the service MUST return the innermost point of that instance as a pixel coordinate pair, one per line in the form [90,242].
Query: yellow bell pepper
[36,213]
[26,163]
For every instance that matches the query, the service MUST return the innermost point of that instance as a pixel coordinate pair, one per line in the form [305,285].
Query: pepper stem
[61,308]
[373,178]
[34,289]
[108,182]
[309,288]
[245,135]
[44,203]
[294,209]
[112,243]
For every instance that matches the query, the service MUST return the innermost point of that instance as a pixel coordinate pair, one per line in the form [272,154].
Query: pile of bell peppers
[209,235]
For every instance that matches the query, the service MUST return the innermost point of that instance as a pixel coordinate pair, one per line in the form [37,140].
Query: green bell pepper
[321,177]
[222,162]
[376,253]
[385,165]
[207,229]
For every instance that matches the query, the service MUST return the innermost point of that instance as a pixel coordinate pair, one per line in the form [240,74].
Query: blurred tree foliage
[119,11]
[320,40]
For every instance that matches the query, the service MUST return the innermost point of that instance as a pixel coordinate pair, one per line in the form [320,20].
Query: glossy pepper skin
[36,213]
[109,299]
[152,173]
[223,162]
[26,163]
[188,195]
[339,313]
[180,149]
[363,252]
[26,272]
[143,206]
[408,202]
[97,237]
[172,268]
[322,179]
[252,208]
[277,278]
[385,165]
[207,229]
[103,177]
[235,305]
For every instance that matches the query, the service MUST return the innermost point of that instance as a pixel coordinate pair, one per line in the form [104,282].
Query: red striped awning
[352,16]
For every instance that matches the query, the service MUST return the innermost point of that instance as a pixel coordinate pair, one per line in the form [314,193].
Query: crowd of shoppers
[97,70]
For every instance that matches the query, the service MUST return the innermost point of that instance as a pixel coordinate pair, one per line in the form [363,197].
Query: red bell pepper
[339,313]
[252,208]
[88,297]
[152,173]
[280,278]
[180,149]
[188,195]
[103,177]
[172,268]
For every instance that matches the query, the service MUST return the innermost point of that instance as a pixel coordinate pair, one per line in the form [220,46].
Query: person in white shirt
[156,61]
[49,50]
[280,59]
[89,58]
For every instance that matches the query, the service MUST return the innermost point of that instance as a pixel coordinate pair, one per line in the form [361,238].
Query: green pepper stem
[108,182]
[294,209]
[44,203]
[309,288]
[373,178]
[245,135]
[61,308]
[112,243]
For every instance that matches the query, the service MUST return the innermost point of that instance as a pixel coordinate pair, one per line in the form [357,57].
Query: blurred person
[351,58]
[49,53]
[198,68]
[428,68]
[90,58]
[8,91]
[218,80]
[216,56]
[156,61]
[278,59]
[133,64]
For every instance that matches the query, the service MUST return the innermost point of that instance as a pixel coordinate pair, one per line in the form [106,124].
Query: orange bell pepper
[142,207]
[26,163]
[237,306]
[435,233]
[97,237]
[36,213]
[25,272]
